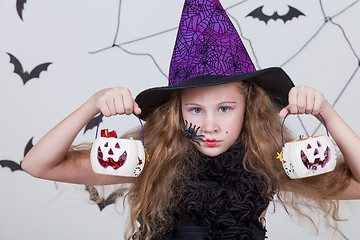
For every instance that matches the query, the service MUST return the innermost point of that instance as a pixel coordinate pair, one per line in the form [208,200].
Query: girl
[234,117]
[218,188]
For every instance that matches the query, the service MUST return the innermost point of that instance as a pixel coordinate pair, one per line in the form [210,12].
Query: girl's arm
[306,100]
[50,159]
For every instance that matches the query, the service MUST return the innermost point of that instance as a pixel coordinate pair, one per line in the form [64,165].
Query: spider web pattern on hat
[207,44]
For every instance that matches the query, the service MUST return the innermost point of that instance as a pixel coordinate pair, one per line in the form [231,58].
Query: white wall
[77,38]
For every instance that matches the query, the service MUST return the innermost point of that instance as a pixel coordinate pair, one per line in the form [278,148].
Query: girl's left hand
[303,99]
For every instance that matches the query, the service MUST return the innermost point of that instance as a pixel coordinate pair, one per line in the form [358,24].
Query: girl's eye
[224,109]
[196,110]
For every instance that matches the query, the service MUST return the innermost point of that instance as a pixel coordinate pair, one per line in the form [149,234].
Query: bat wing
[95,197]
[292,13]
[114,195]
[20,7]
[111,199]
[259,14]
[18,69]
[14,166]
[29,145]
[100,201]
[93,123]
[35,73]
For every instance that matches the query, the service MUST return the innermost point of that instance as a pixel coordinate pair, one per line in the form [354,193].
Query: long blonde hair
[263,140]
[151,197]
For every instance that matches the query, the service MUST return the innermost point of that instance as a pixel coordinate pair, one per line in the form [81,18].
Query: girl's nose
[210,124]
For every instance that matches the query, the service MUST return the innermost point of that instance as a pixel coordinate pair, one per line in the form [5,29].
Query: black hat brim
[273,80]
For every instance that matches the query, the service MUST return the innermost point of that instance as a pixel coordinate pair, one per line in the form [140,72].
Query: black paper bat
[14,166]
[93,123]
[20,7]
[101,202]
[259,14]
[29,146]
[26,76]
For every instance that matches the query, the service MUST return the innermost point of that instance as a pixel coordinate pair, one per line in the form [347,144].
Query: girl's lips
[210,142]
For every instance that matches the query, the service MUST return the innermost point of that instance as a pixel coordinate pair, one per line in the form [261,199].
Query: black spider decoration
[191,133]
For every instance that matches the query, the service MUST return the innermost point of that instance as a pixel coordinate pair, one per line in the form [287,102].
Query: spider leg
[183,128]
[199,137]
[195,141]
[196,135]
[196,130]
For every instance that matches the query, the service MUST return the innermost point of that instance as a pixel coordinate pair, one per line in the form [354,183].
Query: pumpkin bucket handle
[282,127]
[142,127]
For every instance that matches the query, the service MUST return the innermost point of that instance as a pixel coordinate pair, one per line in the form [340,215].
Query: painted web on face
[207,44]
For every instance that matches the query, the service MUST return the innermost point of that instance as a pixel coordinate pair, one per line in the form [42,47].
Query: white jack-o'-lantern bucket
[308,157]
[115,156]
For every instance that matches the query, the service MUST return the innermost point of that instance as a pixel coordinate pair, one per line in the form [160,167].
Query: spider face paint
[191,132]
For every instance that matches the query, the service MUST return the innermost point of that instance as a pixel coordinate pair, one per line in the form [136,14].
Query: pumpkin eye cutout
[308,146]
[106,144]
[319,144]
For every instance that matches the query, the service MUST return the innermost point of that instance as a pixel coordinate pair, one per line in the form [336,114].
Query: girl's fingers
[310,100]
[304,99]
[319,103]
[111,106]
[119,106]
[293,100]
[284,111]
[128,103]
[137,109]
[301,101]
[114,101]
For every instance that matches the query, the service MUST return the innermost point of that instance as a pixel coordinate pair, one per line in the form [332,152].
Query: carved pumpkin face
[315,156]
[114,156]
[309,157]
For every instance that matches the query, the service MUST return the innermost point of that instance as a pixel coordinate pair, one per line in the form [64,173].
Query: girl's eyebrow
[227,102]
[220,103]
[194,104]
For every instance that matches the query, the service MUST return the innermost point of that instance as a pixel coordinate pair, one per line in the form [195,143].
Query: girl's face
[219,112]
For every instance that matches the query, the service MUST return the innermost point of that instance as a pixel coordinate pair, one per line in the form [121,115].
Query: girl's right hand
[113,101]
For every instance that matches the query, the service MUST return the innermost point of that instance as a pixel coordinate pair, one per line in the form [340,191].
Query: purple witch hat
[209,51]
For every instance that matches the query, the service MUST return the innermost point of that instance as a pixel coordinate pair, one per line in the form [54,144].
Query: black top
[187,229]
[218,199]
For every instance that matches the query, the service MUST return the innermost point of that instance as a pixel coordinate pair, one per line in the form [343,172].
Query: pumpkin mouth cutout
[110,161]
[317,162]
